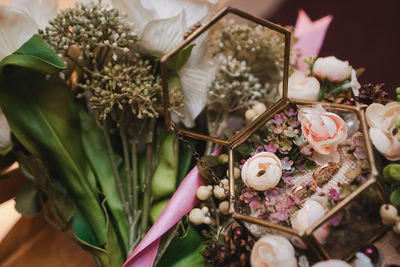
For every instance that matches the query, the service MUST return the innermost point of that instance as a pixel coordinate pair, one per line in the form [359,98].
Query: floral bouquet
[288,161]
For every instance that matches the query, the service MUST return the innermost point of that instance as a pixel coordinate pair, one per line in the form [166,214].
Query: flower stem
[115,170]
[135,186]
[125,149]
[148,174]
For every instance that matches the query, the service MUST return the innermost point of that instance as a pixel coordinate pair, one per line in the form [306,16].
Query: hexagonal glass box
[229,40]
[321,204]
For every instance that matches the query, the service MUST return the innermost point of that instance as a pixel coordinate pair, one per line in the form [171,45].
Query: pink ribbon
[310,36]
[180,204]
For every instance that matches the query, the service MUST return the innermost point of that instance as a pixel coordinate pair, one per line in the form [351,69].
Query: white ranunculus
[273,250]
[161,25]
[384,131]
[332,263]
[302,87]
[331,68]
[263,171]
[5,133]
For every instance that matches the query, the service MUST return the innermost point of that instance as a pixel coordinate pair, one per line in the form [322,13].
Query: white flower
[273,250]
[332,263]
[332,69]
[161,25]
[353,84]
[5,133]
[302,87]
[263,171]
[385,131]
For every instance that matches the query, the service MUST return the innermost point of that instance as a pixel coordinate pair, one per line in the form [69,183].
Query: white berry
[224,207]
[196,216]
[396,228]
[388,214]
[259,108]
[219,192]
[203,192]
[249,115]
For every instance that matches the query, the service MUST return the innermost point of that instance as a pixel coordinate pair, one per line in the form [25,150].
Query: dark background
[366,33]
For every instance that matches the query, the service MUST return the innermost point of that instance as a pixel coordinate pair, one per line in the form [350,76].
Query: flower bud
[396,227]
[249,115]
[196,216]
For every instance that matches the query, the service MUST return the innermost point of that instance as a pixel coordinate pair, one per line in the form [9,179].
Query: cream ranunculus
[384,123]
[263,171]
[302,87]
[323,130]
[332,263]
[332,69]
[311,212]
[271,251]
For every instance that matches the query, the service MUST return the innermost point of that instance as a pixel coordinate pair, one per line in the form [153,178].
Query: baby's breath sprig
[261,47]
[234,86]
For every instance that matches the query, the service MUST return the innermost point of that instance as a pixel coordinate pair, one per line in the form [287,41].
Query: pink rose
[271,251]
[263,171]
[323,130]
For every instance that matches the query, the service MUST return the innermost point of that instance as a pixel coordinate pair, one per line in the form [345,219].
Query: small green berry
[223,158]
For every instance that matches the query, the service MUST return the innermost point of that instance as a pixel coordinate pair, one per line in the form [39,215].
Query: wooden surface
[33,243]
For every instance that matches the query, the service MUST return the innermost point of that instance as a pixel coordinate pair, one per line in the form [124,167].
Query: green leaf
[188,248]
[177,62]
[164,178]
[395,197]
[157,208]
[62,208]
[95,148]
[185,160]
[27,201]
[45,119]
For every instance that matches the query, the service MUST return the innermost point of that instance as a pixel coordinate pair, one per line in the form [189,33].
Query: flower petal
[160,36]
[195,82]
[380,140]
[16,27]
[195,10]
[140,12]
[40,12]
[374,115]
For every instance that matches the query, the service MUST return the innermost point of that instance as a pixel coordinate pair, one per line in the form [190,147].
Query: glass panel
[352,227]
[234,66]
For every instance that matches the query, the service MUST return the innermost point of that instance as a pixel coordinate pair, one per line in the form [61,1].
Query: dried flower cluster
[234,86]
[121,85]
[260,47]
[90,35]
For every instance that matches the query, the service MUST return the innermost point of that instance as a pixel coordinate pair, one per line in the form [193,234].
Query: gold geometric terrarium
[358,212]
[349,223]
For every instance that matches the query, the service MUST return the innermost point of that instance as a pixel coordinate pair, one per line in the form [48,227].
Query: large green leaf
[164,178]
[45,119]
[27,200]
[96,151]
[188,248]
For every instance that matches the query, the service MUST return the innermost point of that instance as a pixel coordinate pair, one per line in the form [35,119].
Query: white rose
[263,171]
[332,68]
[302,87]
[273,250]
